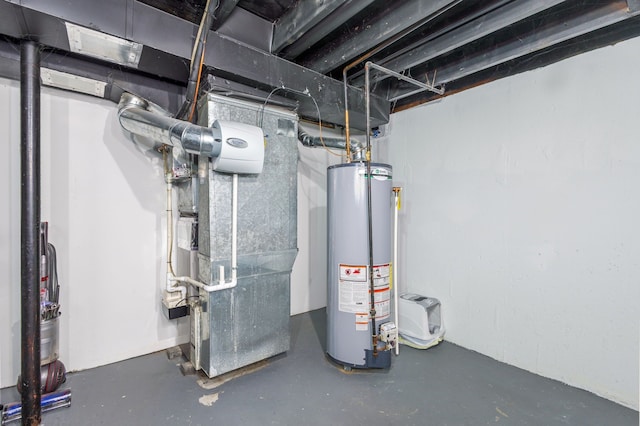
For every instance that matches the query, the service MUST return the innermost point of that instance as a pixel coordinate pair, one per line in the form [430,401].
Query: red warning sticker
[353,272]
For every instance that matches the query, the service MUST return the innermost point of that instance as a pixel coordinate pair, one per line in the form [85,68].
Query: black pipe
[372,307]
[30,231]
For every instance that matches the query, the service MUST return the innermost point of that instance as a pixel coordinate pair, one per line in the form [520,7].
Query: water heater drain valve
[389,334]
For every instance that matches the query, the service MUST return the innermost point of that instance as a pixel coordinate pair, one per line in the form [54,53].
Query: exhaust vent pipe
[235,147]
[144,119]
[357,147]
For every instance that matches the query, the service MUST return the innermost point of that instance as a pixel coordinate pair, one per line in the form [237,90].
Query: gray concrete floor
[445,385]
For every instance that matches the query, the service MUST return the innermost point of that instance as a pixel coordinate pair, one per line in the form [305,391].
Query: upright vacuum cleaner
[52,370]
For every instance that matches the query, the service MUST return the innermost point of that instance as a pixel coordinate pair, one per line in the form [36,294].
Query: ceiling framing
[294,50]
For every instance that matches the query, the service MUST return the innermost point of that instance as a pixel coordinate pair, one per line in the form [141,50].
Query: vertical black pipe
[372,301]
[30,231]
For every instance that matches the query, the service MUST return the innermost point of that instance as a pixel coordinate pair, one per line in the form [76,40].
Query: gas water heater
[352,331]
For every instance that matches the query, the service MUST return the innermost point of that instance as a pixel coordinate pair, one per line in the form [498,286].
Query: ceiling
[295,51]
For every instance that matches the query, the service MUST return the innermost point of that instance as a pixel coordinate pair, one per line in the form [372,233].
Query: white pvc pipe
[234,240]
[170,286]
[234,229]
[222,284]
[395,267]
[205,287]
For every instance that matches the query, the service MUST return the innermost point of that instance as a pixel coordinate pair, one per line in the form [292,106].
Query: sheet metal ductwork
[250,322]
[150,121]
[251,198]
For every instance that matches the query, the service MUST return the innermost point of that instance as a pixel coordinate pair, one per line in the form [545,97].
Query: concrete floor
[445,385]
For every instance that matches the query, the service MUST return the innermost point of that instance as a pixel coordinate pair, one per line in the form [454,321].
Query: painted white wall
[520,213]
[104,200]
[309,275]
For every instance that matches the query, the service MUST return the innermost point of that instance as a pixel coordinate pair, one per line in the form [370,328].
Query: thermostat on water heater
[389,334]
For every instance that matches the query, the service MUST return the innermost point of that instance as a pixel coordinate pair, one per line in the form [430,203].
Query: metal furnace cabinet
[250,322]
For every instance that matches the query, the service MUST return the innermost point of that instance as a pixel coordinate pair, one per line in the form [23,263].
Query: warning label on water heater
[354,295]
[362,322]
[382,290]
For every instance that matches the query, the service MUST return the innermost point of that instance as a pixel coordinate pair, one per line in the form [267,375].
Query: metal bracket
[430,86]
[421,88]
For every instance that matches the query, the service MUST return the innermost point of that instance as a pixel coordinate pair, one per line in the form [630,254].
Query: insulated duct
[144,119]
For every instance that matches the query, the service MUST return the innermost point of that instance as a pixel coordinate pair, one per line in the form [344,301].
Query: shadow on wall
[312,190]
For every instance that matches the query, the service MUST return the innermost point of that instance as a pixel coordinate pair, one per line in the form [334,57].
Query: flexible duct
[144,119]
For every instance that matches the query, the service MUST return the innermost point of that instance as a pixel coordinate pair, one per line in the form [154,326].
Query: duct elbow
[357,147]
[314,141]
[135,117]
[139,117]
[128,100]
[307,140]
[242,152]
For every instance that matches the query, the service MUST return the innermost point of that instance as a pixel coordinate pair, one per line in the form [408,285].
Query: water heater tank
[349,327]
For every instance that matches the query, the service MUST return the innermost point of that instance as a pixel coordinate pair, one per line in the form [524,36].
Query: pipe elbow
[173,288]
